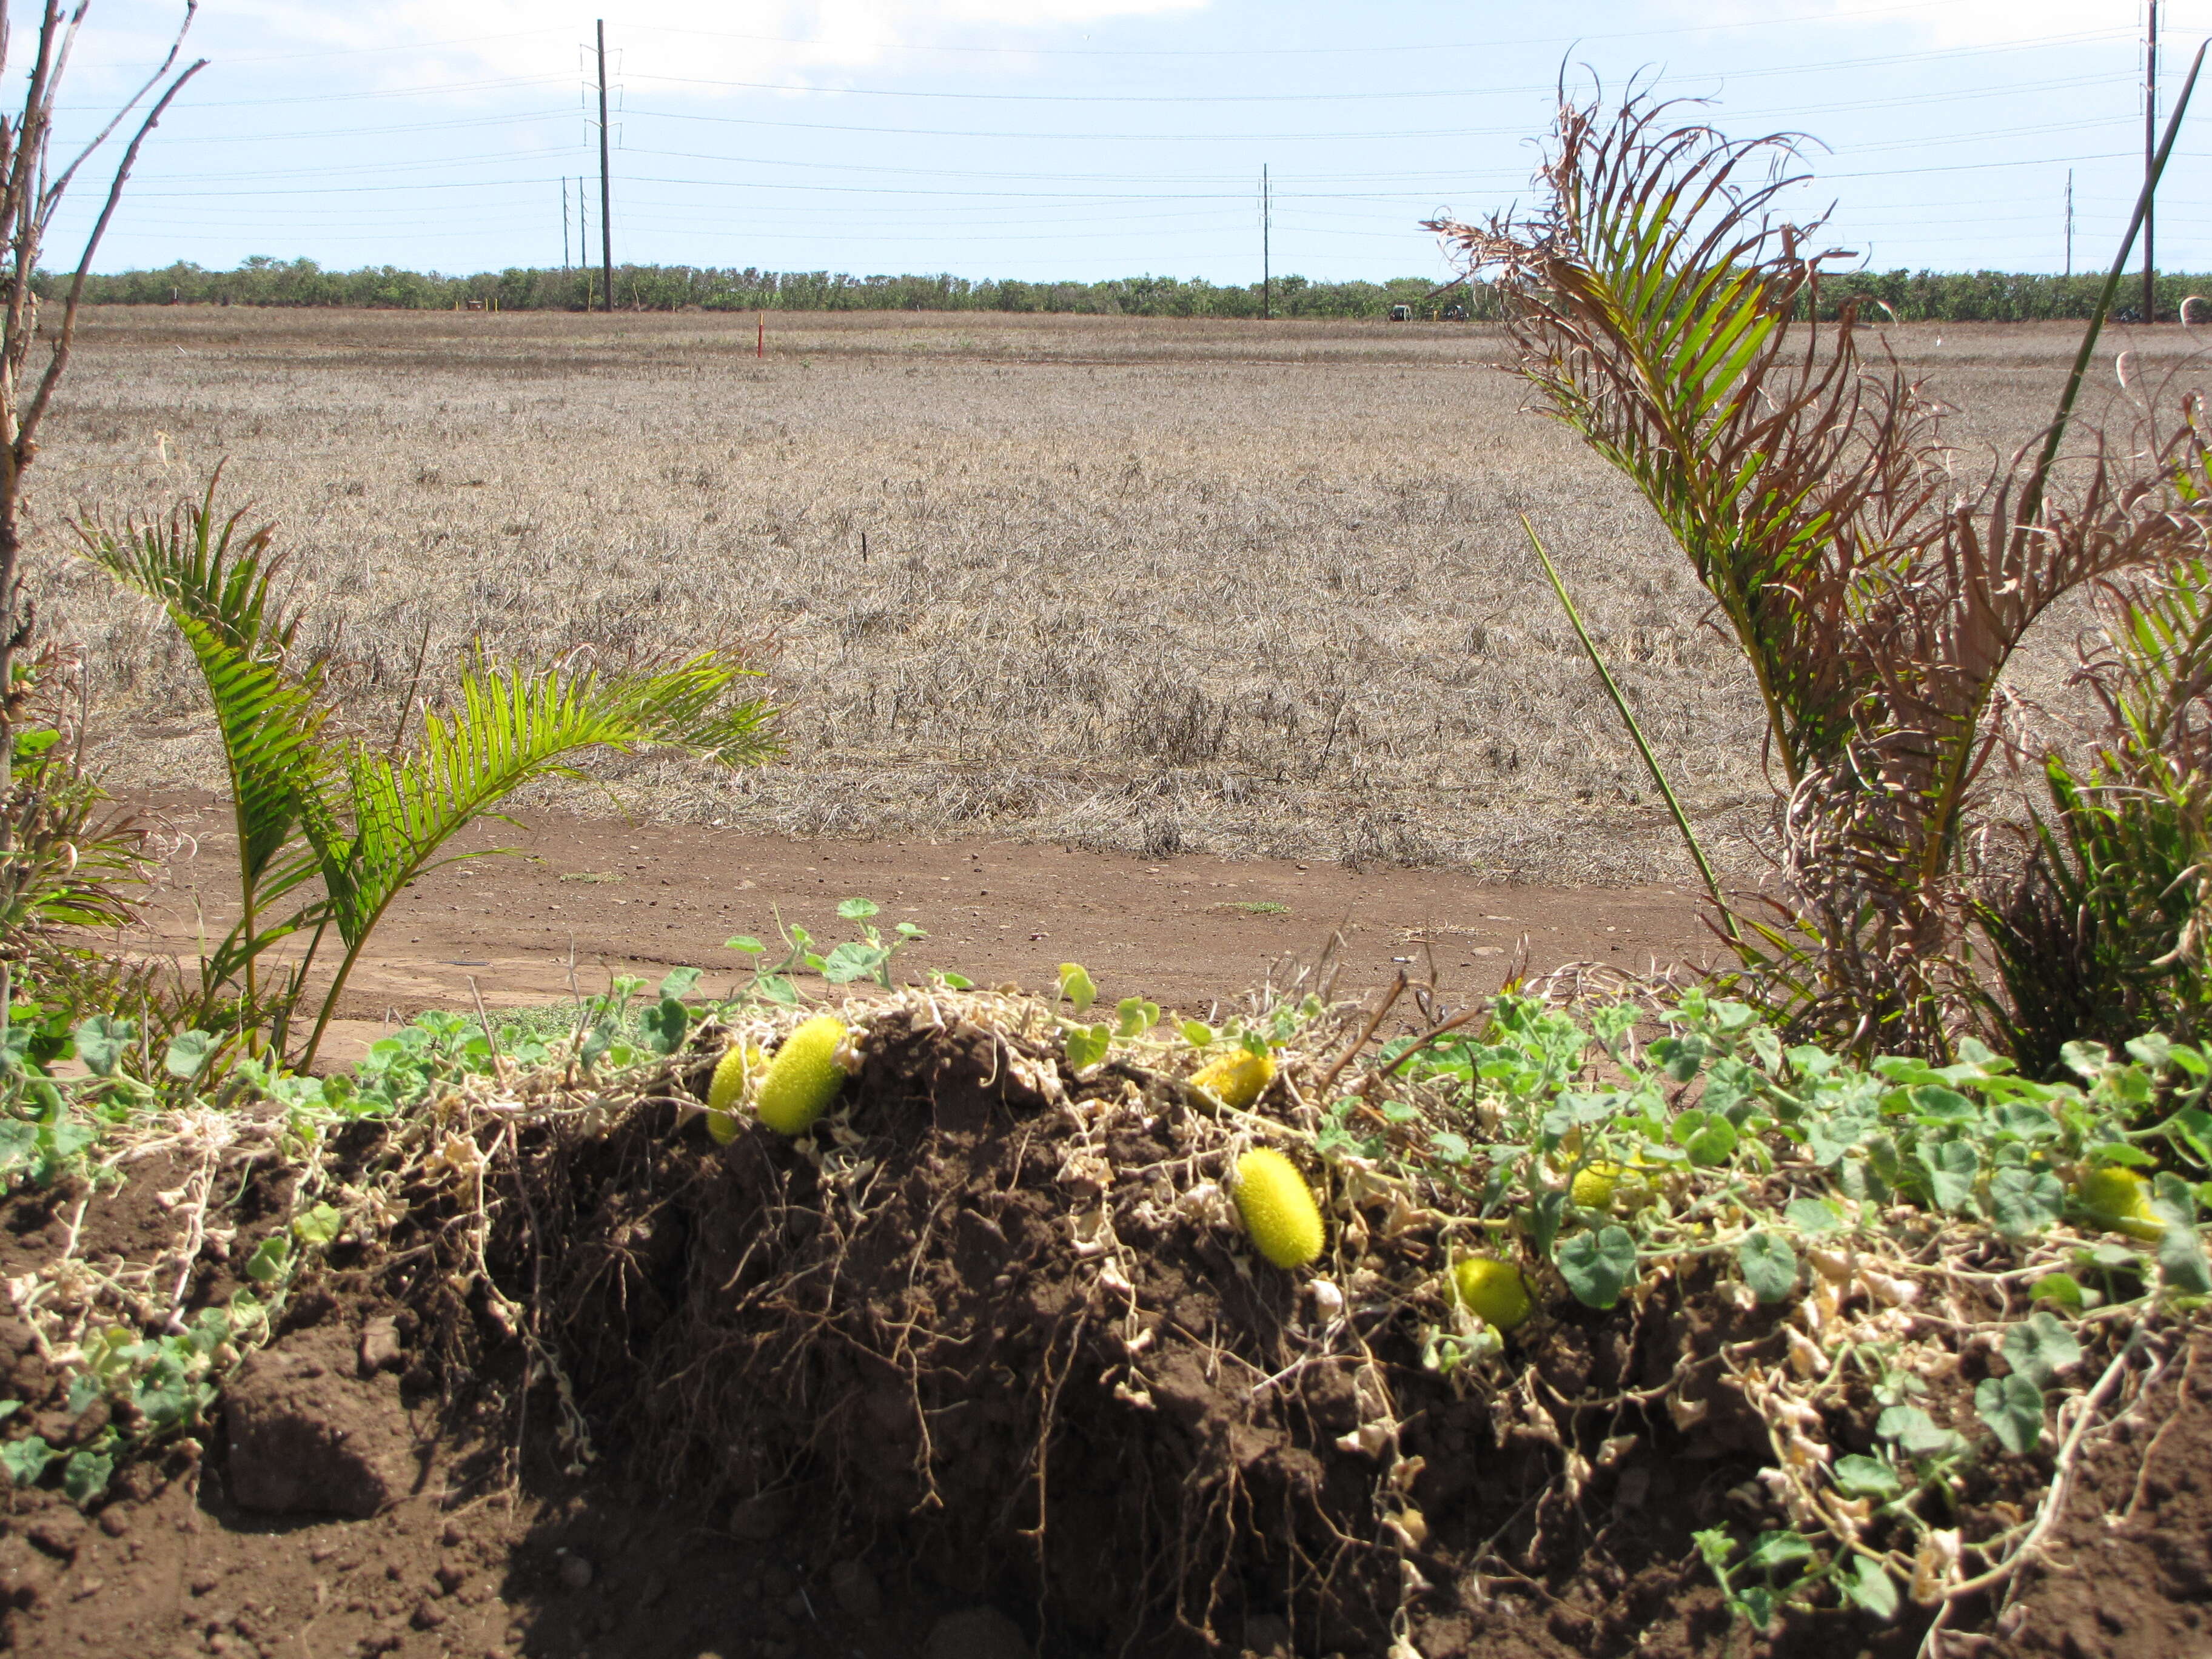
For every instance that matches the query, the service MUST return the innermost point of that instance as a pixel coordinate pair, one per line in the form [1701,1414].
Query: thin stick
[491,1036]
[1635,732]
[2031,500]
[66,335]
[1373,1025]
[413,685]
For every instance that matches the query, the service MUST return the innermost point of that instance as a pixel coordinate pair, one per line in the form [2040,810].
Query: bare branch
[59,361]
[50,196]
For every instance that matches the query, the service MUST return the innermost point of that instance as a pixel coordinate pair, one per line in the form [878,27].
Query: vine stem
[2054,1502]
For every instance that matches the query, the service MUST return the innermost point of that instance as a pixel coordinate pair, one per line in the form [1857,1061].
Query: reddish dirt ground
[588,897]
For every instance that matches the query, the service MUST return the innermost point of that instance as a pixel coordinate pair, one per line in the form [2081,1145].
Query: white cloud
[706,39]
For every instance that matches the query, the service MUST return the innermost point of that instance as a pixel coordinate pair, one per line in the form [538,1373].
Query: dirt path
[1186,931]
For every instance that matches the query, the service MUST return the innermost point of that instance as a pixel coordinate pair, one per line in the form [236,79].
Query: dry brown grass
[1130,583]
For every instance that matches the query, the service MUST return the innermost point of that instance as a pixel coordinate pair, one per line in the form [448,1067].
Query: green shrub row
[266,282]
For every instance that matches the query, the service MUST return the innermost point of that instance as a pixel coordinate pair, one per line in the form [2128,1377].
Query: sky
[1086,139]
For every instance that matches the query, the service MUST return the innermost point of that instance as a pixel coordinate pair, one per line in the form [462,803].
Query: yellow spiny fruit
[1594,1184]
[803,1078]
[1278,1208]
[2120,1199]
[727,1091]
[1493,1291]
[1236,1081]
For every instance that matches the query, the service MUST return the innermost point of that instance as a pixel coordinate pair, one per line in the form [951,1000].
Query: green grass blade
[2031,500]
[1635,732]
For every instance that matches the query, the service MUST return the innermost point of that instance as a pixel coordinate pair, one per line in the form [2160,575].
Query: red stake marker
[760,341]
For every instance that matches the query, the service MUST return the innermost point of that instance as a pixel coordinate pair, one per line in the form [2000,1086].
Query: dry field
[1127,584]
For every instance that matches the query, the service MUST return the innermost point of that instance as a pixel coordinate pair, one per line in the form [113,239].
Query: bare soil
[586,898]
[937,1427]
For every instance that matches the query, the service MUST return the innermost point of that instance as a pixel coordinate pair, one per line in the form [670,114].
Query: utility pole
[1266,251]
[2070,221]
[564,222]
[2150,146]
[606,198]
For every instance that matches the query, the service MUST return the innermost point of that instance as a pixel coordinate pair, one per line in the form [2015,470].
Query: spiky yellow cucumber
[1278,1208]
[1236,1081]
[804,1078]
[1493,1291]
[727,1091]
[1594,1185]
[2120,1200]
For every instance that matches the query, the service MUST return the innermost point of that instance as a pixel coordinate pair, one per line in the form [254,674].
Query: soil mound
[1000,1322]
[982,1365]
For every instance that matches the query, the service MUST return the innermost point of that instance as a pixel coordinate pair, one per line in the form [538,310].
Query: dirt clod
[306,1438]
[381,1349]
[976,1633]
[854,1586]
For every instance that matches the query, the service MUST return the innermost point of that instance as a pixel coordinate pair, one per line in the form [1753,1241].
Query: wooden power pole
[606,197]
[1266,251]
[2150,150]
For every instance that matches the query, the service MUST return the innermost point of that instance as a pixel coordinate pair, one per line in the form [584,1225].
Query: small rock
[655,1587]
[759,1520]
[428,1615]
[114,1522]
[975,1633]
[854,1586]
[380,1347]
[449,1575]
[575,1571]
[204,1581]
[450,1534]
[57,1535]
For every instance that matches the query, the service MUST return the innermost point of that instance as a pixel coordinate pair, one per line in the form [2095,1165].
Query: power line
[1921,7]
[1396,94]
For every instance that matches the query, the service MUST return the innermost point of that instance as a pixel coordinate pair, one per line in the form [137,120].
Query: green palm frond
[199,565]
[330,830]
[215,582]
[388,818]
[1657,305]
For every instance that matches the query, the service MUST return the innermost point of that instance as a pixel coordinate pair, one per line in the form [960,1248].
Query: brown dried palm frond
[1665,313]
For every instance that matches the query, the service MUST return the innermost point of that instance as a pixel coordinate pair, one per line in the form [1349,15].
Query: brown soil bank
[977,1370]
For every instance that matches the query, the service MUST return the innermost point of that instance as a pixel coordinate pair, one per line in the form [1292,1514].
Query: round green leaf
[1869,1585]
[2013,1409]
[1860,1476]
[1598,1265]
[1770,1266]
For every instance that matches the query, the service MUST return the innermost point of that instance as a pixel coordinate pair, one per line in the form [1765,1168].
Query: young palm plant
[2103,936]
[1665,313]
[332,829]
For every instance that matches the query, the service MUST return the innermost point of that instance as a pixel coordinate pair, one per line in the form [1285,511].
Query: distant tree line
[1997,296]
[1978,297]
[266,282]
